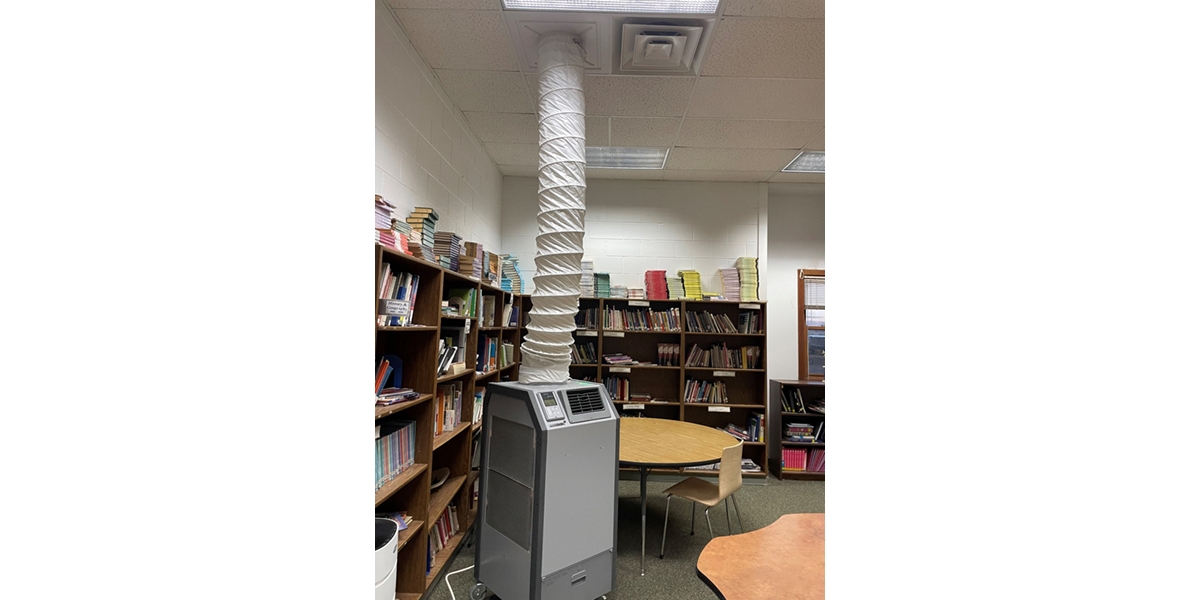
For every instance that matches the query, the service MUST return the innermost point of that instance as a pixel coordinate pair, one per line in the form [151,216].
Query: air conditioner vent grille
[585,401]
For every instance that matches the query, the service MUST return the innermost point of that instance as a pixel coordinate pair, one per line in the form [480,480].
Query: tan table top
[785,559]
[670,443]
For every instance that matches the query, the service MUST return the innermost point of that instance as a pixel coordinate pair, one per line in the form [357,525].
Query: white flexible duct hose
[546,351]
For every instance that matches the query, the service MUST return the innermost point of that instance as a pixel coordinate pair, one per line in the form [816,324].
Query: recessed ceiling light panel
[614,157]
[696,7]
[808,161]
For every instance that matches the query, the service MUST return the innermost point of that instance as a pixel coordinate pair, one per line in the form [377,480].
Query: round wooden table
[785,559]
[666,443]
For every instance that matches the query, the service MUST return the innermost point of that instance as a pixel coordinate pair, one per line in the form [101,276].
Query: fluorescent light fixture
[705,7]
[808,161]
[615,157]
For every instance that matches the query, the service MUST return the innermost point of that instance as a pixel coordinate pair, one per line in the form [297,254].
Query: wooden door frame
[803,328]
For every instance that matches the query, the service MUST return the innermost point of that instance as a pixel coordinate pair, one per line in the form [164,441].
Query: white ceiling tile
[817,142]
[642,174]
[447,4]
[798,178]
[729,159]
[517,171]
[597,131]
[513,154]
[617,96]
[658,132]
[794,9]
[486,91]
[503,127]
[767,48]
[730,133]
[741,98]
[672,175]
[460,39]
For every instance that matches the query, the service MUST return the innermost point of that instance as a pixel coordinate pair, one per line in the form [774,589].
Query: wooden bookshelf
[808,389]
[747,388]
[417,347]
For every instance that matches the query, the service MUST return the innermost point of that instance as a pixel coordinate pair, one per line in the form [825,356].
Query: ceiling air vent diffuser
[658,48]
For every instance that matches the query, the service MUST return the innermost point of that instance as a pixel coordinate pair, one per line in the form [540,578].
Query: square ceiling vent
[655,46]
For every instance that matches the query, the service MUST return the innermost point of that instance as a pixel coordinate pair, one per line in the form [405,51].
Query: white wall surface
[636,226]
[425,155]
[795,240]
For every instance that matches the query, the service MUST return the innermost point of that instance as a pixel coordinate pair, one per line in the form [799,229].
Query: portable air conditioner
[386,534]
[547,527]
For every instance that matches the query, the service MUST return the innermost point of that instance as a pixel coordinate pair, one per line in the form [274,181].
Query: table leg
[644,471]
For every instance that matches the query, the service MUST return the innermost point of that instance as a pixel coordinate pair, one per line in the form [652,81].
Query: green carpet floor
[673,577]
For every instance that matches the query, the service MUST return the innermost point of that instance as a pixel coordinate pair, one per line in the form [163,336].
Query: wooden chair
[703,492]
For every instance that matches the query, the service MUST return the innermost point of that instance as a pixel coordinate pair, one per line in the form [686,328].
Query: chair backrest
[730,478]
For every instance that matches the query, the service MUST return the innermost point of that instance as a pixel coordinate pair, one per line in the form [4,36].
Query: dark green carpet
[673,577]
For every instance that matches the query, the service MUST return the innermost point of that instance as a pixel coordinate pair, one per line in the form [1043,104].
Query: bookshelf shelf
[406,328]
[400,481]
[385,411]
[487,374]
[440,440]
[724,369]
[802,444]
[796,414]
[803,475]
[642,367]
[700,333]
[445,378]
[407,534]
[721,404]
[456,317]
[442,496]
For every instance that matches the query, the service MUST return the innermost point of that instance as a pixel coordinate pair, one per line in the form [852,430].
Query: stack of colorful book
[637,294]
[395,449]
[656,285]
[491,267]
[447,245]
[471,262]
[804,459]
[510,279]
[691,284]
[675,288]
[619,291]
[402,231]
[747,268]
[424,226]
[587,281]
[800,432]
[730,284]
[383,222]
[602,287]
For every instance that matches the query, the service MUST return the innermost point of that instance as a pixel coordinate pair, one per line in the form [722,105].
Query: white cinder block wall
[425,155]
[795,240]
[636,226]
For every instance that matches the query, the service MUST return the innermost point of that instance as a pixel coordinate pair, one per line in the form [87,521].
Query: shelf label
[635,407]
[718,409]
[638,303]
[750,306]
[394,307]
[724,374]
[587,333]
[619,334]
[619,369]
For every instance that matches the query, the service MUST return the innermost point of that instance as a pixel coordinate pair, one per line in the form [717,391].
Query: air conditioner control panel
[551,407]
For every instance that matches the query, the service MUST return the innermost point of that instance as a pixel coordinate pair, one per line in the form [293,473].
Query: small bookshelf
[800,403]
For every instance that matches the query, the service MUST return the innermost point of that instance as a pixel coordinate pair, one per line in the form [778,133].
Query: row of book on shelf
[389,375]
[707,322]
[805,432]
[738,283]
[791,400]
[752,432]
[584,354]
[494,353]
[447,408]
[712,392]
[395,449]
[641,319]
[401,289]
[441,531]
[720,355]
[804,459]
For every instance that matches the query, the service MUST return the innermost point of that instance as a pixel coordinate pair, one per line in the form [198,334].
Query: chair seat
[697,490]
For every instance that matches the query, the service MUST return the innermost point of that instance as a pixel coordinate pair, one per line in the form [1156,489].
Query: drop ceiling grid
[788,93]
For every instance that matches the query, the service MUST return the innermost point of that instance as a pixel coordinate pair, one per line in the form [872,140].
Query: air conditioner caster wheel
[479,592]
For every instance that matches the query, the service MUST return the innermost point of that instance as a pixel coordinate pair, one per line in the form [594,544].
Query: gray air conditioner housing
[547,526]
